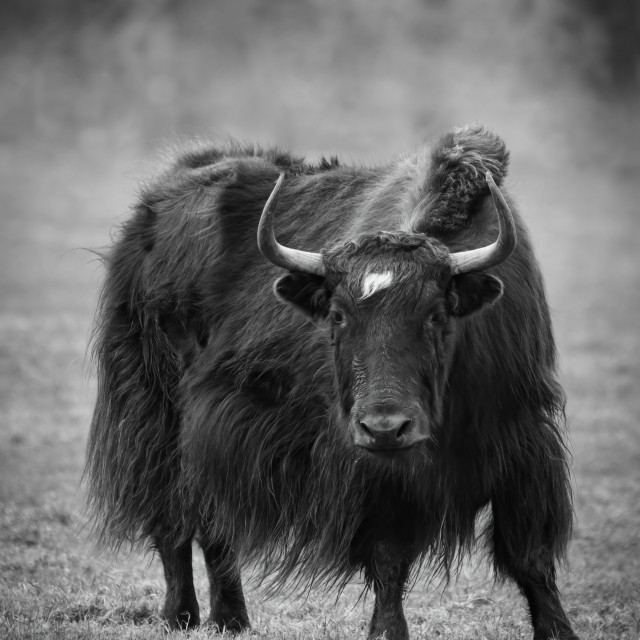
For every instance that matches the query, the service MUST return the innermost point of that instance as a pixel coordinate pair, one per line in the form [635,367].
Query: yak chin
[395,461]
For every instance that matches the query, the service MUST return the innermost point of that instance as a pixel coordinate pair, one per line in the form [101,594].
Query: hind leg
[228,608]
[181,606]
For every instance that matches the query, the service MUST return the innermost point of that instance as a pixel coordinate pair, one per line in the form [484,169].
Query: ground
[83,121]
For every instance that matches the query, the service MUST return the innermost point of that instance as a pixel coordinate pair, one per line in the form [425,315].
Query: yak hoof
[556,634]
[231,625]
[183,620]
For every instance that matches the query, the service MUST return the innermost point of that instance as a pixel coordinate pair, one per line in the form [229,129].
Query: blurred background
[94,93]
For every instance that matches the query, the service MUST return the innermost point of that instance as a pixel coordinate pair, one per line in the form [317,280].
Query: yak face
[390,303]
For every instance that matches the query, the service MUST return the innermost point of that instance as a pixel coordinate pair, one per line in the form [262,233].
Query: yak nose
[387,431]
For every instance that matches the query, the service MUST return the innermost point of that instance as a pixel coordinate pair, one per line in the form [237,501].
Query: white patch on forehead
[373,282]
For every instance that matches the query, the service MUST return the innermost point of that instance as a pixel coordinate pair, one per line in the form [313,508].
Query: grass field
[84,115]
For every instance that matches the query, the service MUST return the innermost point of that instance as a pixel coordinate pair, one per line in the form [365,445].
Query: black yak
[407,382]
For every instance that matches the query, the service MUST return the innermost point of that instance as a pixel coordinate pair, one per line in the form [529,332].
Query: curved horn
[497,252]
[291,259]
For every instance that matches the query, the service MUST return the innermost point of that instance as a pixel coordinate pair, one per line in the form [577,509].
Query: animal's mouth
[392,449]
[389,455]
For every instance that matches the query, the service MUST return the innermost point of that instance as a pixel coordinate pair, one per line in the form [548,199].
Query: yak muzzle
[384,431]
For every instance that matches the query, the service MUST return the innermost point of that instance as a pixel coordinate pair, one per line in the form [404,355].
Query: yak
[330,377]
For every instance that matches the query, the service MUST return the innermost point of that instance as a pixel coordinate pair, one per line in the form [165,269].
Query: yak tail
[132,459]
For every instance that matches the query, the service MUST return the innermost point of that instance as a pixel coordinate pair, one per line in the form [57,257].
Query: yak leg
[228,608]
[388,571]
[523,550]
[180,606]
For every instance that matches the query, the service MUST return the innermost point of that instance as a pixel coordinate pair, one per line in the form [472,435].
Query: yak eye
[437,317]
[337,317]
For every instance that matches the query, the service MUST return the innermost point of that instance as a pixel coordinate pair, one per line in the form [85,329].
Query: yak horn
[497,252]
[292,259]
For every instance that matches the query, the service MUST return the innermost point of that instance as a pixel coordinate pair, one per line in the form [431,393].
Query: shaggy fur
[220,413]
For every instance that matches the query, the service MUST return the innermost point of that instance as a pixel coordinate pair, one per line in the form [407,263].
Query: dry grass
[83,109]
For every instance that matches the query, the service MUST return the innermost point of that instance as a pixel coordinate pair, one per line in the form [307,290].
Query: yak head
[391,301]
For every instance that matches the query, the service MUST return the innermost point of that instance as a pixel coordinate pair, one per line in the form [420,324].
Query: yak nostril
[366,429]
[382,431]
[385,426]
[404,429]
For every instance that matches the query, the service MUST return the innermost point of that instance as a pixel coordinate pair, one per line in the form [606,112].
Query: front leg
[531,523]
[387,571]
[547,615]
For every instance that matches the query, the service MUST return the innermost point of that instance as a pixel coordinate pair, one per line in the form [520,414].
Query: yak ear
[306,292]
[470,292]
